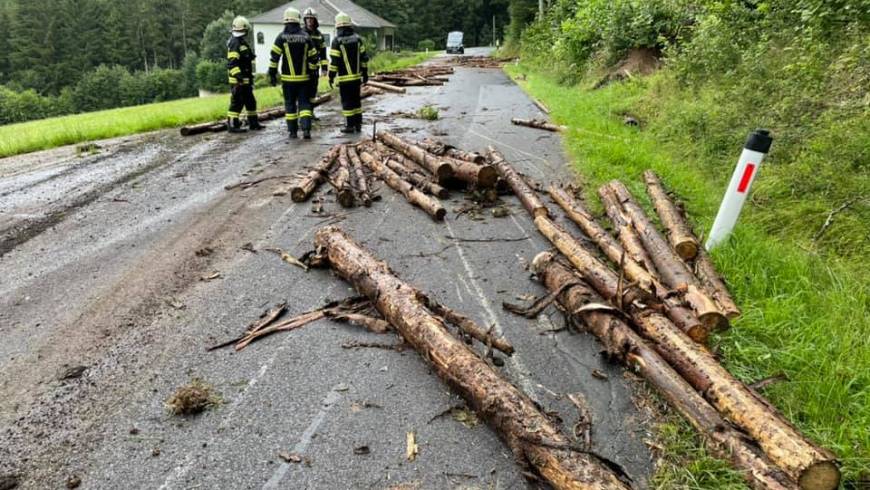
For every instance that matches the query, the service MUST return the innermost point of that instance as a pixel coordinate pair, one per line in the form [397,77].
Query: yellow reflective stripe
[312,66]
[349,78]
[291,117]
[276,49]
[232,55]
[312,52]
[232,114]
[243,48]
[305,113]
[333,68]
[233,80]
[235,70]
[294,78]
[273,64]
[289,60]
[346,61]
[324,63]
[347,113]
[334,52]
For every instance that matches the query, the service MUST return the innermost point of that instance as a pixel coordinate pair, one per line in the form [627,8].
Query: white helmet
[291,16]
[310,13]
[241,24]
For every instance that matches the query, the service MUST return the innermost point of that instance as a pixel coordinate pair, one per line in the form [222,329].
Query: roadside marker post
[754,151]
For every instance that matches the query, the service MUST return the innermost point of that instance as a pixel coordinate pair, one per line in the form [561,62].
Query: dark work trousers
[297,105]
[312,90]
[351,105]
[242,96]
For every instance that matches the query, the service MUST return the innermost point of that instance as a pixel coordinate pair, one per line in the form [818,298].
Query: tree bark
[472,174]
[524,428]
[304,186]
[609,285]
[811,466]
[468,326]
[431,205]
[672,270]
[627,236]
[680,232]
[528,197]
[441,169]
[417,179]
[624,345]
[386,86]
[538,124]
[362,185]
[341,180]
[443,149]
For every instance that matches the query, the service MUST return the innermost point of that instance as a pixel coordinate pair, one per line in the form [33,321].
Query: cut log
[538,124]
[367,92]
[678,231]
[321,99]
[672,270]
[304,186]
[443,149]
[468,326]
[685,242]
[527,431]
[609,285]
[627,236]
[431,205]
[341,180]
[540,105]
[624,345]
[209,127]
[362,185]
[810,465]
[386,86]
[441,169]
[472,174]
[527,196]
[417,179]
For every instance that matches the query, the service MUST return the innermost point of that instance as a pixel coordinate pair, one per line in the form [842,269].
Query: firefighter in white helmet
[309,17]
[348,64]
[240,65]
[297,55]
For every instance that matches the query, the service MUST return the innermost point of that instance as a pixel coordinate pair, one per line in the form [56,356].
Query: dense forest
[65,56]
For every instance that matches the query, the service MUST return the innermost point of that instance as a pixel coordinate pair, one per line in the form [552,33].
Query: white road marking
[331,398]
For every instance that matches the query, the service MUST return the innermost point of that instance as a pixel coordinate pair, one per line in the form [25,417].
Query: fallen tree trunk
[538,124]
[362,185]
[527,196]
[681,236]
[613,287]
[672,270]
[386,86]
[472,174]
[341,180]
[443,149]
[209,127]
[624,345]
[321,99]
[525,429]
[431,205]
[467,325]
[441,169]
[809,465]
[678,231]
[627,236]
[304,186]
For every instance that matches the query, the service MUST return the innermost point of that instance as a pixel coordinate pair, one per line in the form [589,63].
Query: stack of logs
[477,61]
[653,307]
[430,75]
[422,171]
[652,300]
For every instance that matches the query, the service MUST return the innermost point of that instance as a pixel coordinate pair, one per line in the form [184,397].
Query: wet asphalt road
[98,269]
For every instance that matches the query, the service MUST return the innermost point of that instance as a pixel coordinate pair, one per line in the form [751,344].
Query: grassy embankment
[806,302]
[50,133]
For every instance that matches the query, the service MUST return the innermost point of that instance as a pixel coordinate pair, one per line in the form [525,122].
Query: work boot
[254,123]
[306,134]
[293,129]
[235,126]
[358,128]
[348,129]
[293,135]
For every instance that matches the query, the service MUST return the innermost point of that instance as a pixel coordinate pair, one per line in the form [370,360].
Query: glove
[273,78]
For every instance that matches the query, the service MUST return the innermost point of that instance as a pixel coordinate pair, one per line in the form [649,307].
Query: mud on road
[101,280]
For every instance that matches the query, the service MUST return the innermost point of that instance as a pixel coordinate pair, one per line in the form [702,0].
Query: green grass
[805,311]
[44,134]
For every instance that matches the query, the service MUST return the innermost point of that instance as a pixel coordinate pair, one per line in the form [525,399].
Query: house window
[261,39]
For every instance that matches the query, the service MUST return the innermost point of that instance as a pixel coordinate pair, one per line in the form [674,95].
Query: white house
[268,25]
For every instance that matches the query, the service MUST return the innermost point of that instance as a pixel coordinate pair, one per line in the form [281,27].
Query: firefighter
[298,56]
[349,66]
[240,64]
[309,17]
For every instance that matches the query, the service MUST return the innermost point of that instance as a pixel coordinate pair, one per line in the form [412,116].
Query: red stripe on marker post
[747,178]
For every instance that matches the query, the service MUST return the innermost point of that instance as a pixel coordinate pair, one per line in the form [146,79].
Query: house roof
[326,10]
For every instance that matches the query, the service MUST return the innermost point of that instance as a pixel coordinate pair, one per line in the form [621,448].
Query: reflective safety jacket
[348,60]
[319,45]
[240,61]
[297,54]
